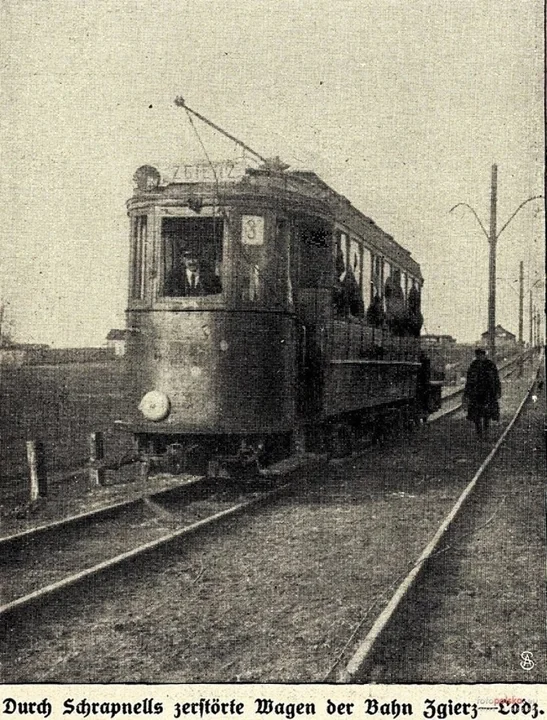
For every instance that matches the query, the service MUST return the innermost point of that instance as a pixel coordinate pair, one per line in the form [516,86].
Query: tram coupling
[245,466]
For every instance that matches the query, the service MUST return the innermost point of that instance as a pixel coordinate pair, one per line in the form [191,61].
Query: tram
[266,316]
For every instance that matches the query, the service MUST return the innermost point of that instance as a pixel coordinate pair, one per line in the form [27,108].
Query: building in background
[428,341]
[116,340]
[18,354]
[505,340]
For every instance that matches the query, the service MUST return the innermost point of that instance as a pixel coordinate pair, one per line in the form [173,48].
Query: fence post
[96,456]
[37,468]
[144,469]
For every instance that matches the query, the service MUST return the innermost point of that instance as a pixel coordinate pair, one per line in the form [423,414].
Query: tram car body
[299,329]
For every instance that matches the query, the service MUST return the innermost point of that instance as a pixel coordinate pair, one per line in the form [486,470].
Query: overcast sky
[401,105]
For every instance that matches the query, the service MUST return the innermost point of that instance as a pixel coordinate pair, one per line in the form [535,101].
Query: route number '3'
[252,230]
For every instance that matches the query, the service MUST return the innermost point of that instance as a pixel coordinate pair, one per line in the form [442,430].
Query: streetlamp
[492,238]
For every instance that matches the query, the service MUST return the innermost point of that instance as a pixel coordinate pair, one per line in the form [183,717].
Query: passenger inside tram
[395,303]
[347,295]
[375,313]
[352,291]
[414,315]
[192,253]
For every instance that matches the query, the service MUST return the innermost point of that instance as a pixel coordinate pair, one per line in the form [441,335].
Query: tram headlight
[155,406]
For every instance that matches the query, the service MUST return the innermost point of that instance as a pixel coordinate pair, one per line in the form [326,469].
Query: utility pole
[492,265]
[531,321]
[521,316]
[492,236]
[521,304]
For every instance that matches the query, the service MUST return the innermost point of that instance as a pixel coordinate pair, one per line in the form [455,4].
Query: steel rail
[362,659]
[96,514]
[188,486]
[305,462]
[505,371]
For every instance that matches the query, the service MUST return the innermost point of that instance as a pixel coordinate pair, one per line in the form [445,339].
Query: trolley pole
[492,265]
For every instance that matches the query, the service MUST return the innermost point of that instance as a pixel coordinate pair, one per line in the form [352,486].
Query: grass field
[58,405]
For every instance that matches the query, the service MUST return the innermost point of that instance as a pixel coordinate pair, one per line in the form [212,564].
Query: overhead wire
[270,284]
[291,183]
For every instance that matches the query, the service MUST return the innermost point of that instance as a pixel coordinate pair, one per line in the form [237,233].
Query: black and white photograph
[272,333]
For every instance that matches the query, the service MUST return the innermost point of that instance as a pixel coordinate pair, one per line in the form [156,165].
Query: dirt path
[484,602]
[274,596]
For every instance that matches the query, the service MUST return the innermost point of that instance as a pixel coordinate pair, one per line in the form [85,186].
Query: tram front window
[191,256]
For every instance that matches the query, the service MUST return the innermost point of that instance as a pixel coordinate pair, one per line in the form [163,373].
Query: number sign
[252,230]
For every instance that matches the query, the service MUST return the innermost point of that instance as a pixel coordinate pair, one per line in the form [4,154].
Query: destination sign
[226,171]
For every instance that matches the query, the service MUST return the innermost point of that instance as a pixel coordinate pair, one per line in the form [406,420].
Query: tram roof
[345,211]
[275,178]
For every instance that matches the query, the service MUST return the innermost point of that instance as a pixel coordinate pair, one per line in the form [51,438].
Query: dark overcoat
[482,390]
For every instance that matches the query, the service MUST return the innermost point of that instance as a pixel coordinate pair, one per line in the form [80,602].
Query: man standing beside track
[482,392]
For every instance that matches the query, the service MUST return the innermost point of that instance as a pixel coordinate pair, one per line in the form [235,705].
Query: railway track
[47,561]
[359,659]
[452,400]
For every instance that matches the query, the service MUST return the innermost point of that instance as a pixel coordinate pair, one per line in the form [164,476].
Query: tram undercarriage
[239,456]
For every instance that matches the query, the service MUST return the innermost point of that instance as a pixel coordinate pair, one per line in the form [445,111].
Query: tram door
[312,264]
[310,373]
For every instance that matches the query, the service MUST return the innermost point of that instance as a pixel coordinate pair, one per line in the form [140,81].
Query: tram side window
[348,299]
[366,286]
[354,278]
[340,270]
[139,229]
[313,240]
[378,275]
[191,256]
[375,314]
[395,302]
[341,254]
[414,313]
[280,262]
